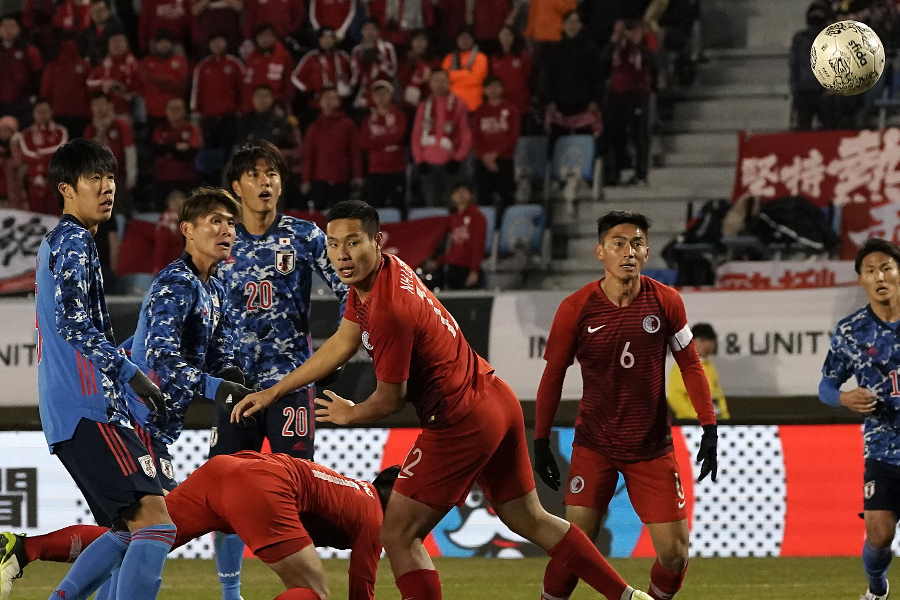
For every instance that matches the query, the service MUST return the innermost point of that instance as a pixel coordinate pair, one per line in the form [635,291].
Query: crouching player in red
[473,424]
[620,329]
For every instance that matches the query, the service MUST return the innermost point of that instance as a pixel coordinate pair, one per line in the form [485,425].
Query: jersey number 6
[626,359]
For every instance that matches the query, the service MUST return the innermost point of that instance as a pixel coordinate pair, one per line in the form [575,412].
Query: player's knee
[674,556]
[880,537]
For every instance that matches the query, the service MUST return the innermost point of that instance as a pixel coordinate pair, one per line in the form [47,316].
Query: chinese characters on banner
[857,171]
[20,237]
[784,275]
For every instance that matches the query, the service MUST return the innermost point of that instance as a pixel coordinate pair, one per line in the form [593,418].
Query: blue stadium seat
[523,226]
[665,276]
[389,215]
[424,212]
[573,152]
[531,157]
[490,215]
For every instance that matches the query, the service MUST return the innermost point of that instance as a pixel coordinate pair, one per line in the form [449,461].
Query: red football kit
[279,505]
[473,425]
[623,421]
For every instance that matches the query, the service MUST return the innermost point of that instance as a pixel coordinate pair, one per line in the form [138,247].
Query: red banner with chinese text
[784,275]
[858,171]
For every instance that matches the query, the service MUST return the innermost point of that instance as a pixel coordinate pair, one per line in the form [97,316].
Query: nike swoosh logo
[595,329]
[682,503]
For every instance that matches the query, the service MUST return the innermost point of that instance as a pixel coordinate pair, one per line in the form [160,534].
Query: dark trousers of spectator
[497,188]
[219,132]
[384,190]
[455,278]
[323,195]
[436,182]
[832,112]
[628,119]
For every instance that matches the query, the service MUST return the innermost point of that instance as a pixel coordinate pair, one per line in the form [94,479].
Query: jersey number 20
[258,294]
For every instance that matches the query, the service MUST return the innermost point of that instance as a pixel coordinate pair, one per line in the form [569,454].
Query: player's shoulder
[177,275]
[665,293]
[301,229]
[855,321]
[68,234]
[579,297]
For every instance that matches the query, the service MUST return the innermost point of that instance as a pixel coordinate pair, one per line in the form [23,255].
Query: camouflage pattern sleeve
[221,351]
[838,366]
[323,266]
[70,264]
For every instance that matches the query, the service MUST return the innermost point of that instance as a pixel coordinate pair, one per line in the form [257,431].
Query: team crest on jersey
[167,469]
[285,261]
[148,466]
[576,484]
[365,341]
[869,490]
[213,436]
[651,323]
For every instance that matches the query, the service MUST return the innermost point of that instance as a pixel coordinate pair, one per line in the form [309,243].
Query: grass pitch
[471,578]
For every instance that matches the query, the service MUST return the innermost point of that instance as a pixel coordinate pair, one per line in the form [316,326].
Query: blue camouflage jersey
[269,277]
[183,337]
[81,374]
[867,348]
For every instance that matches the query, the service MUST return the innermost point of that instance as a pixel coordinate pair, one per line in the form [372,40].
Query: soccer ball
[847,58]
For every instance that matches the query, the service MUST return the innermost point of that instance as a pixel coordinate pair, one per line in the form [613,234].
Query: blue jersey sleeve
[837,369]
[221,351]
[323,266]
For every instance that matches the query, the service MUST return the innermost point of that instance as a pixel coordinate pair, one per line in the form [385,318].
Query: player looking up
[83,381]
[619,329]
[473,425]
[864,345]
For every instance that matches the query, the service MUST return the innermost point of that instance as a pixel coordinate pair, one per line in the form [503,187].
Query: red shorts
[256,500]
[654,486]
[488,446]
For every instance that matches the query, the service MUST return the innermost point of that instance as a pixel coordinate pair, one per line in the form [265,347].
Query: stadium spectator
[467,67]
[632,69]
[486,19]
[95,39]
[116,134]
[173,16]
[176,142]
[373,58]
[216,17]
[495,131]
[336,15]
[168,243]
[331,155]
[287,16]
[216,93]
[383,137]
[441,140]
[268,64]
[20,65]
[512,65]
[45,19]
[269,122]
[707,343]
[10,194]
[414,71]
[117,75]
[401,19]
[545,19]
[460,266]
[64,85]
[164,75]
[807,94]
[33,148]
[325,67]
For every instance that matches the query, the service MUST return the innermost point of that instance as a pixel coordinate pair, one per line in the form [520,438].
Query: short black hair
[78,158]
[873,245]
[618,217]
[704,331]
[203,200]
[356,209]
[246,157]
[384,484]
[462,184]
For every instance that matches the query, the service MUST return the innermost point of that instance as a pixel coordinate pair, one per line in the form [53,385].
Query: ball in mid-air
[847,58]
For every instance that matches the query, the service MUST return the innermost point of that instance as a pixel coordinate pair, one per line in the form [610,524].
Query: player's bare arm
[861,400]
[387,399]
[337,350]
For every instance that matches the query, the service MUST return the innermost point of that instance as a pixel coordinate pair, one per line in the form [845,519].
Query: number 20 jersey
[268,278]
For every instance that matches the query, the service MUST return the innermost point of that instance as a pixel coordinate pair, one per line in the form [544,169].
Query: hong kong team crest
[651,323]
[148,466]
[576,484]
[285,260]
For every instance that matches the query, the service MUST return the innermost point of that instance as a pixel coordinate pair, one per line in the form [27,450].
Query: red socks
[297,594]
[578,554]
[423,584]
[559,582]
[62,545]
[664,584]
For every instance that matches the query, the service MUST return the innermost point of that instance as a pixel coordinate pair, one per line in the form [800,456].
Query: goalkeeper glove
[707,453]
[545,463]
[230,393]
[150,395]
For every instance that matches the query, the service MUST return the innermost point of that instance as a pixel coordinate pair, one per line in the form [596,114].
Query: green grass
[464,579]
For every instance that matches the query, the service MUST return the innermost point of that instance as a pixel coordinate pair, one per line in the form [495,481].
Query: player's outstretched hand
[337,410]
[861,400]
[151,395]
[251,404]
[545,463]
[706,456]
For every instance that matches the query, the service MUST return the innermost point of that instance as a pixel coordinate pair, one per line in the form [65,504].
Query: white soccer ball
[847,58]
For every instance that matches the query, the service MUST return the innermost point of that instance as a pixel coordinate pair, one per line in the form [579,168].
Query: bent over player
[619,329]
[473,424]
[865,346]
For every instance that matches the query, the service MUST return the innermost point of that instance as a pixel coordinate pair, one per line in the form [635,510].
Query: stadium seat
[389,215]
[424,212]
[574,162]
[666,276]
[531,157]
[523,227]
[490,215]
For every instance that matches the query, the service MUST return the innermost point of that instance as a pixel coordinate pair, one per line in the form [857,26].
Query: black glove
[707,453]
[229,394]
[545,463]
[330,378]
[232,373]
[150,395]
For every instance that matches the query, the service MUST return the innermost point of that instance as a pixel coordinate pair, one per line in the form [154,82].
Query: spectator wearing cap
[331,156]
[116,75]
[325,67]
[441,140]
[467,68]
[163,75]
[414,71]
[33,148]
[20,66]
[117,134]
[216,93]
[460,266]
[268,64]
[373,58]
[176,142]
[495,131]
[10,189]
[173,16]
[382,138]
[512,65]
[706,341]
[268,121]
[336,15]
[400,19]
[287,16]
[64,85]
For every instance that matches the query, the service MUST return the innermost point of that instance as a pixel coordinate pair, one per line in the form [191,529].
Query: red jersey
[172,164]
[334,14]
[622,352]
[382,137]
[413,75]
[72,15]
[396,26]
[285,16]
[118,77]
[411,337]
[317,70]
[270,68]
[173,16]
[331,150]
[468,234]
[217,86]
[495,128]
[362,74]
[19,64]
[514,70]
[64,84]
[488,17]
[162,78]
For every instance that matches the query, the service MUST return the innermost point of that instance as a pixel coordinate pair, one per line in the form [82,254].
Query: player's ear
[599,252]
[236,188]
[379,240]
[65,190]
[187,229]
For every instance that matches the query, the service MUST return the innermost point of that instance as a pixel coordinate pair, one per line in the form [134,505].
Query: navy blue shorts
[289,424]
[165,472]
[112,468]
[881,486]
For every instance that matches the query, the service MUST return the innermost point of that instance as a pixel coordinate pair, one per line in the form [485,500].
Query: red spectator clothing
[118,136]
[217,18]
[334,14]
[118,77]
[9,185]
[168,243]
[363,75]
[19,66]
[72,15]
[331,150]
[319,69]
[216,90]
[413,75]
[632,70]
[36,12]
[488,18]
[271,68]
[412,338]
[622,352]
[495,128]
[173,16]
[468,231]
[34,147]
[441,132]
[382,136]
[172,164]
[398,20]
[285,16]
[514,70]
[64,83]
[161,79]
